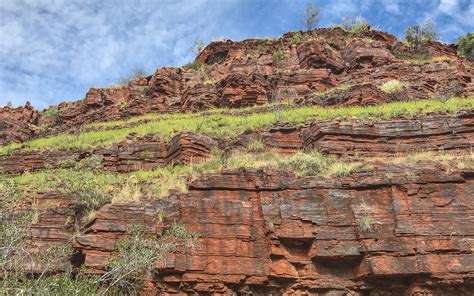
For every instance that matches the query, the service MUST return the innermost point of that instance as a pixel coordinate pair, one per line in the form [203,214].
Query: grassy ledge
[231,125]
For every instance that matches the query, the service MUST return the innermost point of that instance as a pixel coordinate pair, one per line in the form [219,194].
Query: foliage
[418,36]
[147,154]
[392,86]
[10,194]
[278,56]
[52,113]
[255,145]
[196,66]
[222,125]
[365,223]
[245,160]
[466,46]
[16,262]
[136,255]
[198,46]
[342,169]
[357,26]
[308,164]
[61,285]
[311,17]
[131,190]
[298,37]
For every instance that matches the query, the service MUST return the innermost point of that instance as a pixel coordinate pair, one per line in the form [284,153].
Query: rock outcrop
[343,138]
[379,225]
[251,72]
[267,232]
[17,124]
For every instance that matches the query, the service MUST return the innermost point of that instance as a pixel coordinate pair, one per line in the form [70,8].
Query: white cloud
[449,7]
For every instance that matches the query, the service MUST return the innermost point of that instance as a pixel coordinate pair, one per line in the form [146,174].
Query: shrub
[89,192]
[357,26]
[311,17]
[278,56]
[198,46]
[418,36]
[61,284]
[466,46]
[308,164]
[392,86]
[53,114]
[93,163]
[9,194]
[136,255]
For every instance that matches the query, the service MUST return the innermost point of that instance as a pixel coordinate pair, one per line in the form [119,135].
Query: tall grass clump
[392,86]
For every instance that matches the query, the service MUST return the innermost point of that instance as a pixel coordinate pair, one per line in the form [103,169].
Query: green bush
[136,255]
[357,26]
[52,113]
[466,46]
[418,36]
[61,284]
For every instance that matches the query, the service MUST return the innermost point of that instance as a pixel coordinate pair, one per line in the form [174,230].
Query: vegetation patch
[136,255]
[392,86]
[229,126]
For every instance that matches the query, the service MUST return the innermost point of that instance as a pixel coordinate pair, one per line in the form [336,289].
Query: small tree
[9,104]
[198,46]
[137,253]
[466,46]
[417,36]
[311,17]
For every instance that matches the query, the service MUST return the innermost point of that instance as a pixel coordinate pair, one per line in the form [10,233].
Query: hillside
[328,162]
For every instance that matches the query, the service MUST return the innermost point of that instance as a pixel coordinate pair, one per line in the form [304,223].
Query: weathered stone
[17,124]
[305,234]
[432,133]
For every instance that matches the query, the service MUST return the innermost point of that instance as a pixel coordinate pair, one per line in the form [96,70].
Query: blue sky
[55,50]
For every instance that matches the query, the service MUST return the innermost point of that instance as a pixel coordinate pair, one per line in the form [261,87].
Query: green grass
[231,125]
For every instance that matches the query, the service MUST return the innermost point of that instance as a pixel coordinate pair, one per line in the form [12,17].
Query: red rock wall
[432,133]
[268,232]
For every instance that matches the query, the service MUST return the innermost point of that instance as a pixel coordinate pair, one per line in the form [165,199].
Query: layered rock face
[377,226]
[265,232]
[17,124]
[344,139]
[297,65]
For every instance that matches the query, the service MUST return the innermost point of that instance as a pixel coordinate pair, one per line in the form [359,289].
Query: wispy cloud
[54,50]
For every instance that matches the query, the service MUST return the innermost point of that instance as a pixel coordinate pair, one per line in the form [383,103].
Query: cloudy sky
[55,50]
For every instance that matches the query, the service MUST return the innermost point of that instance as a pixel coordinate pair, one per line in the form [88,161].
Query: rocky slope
[393,217]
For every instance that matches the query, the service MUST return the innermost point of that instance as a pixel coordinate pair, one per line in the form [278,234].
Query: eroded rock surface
[268,232]
[252,72]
